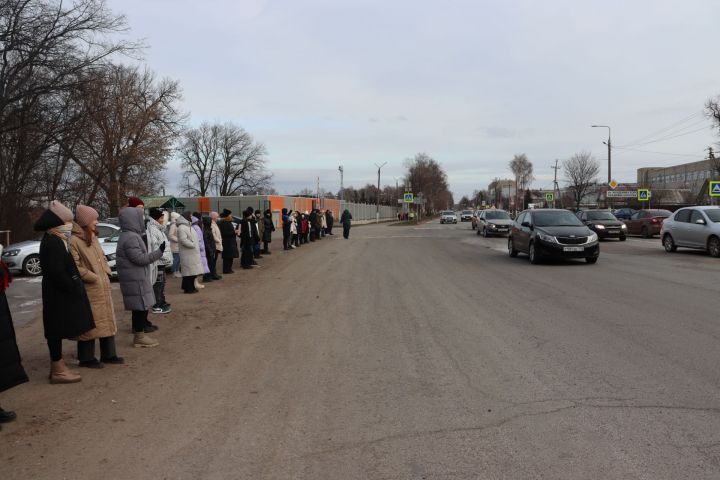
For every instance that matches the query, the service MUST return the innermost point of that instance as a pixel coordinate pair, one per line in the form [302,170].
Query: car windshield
[448,213]
[500,215]
[555,219]
[713,214]
[467,212]
[660,213]
[600,216]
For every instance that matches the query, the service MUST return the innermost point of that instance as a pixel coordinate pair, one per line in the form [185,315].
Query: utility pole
[377,209]
[609,145]
[556,188]
[342,171]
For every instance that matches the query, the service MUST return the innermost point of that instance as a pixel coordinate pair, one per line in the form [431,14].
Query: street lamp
[342,171]
[609,145]
[377,209]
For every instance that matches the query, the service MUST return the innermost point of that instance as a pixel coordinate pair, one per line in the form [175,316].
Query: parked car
[552,233]
[693,227]
[109,247]
[23,257]
[646,222]
[448,216]
[624,213]
[494,222]
[466,215]
[604,223]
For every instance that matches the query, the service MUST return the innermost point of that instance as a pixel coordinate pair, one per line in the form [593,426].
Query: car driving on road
[604,223]
[494,222]
[448,216]
[693,227]
[552,233]
[466,215]
[646,223]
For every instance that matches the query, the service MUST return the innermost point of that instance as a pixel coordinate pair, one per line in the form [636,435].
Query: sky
[324,83]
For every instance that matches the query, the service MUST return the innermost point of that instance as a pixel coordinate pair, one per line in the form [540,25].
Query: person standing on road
[229,240]
[312,223]
[293,230]
[66,308]
[318,224]
[134,270]
[305,227]
[174,247]
[246,240]
[12,372]
[260,229]
[190,263]
[197,227]
[217,238]
[323,223]
[268,230]
[210,251]
[95,273]
[155,237]
[329,220]
[286,229]
[346,220]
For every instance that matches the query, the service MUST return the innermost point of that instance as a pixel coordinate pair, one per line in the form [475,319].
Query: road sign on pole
[643,194]
[613,184]
[408,197]
[714,188]
[549,197]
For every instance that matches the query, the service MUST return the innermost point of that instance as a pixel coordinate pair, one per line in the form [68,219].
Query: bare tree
[242,166]
[581,171]
[522,169]
[200,157]
[130,122]
[426,176]
[47,48]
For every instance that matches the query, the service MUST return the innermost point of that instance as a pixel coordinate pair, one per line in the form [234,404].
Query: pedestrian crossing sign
[714,188]
[643,194]
[408,197]
[549,197]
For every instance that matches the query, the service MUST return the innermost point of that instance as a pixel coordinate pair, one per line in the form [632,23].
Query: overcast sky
[356,82]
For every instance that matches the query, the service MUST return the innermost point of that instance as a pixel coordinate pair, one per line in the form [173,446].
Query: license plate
[573,249]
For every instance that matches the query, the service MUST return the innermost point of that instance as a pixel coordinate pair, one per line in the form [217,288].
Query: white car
[448,216]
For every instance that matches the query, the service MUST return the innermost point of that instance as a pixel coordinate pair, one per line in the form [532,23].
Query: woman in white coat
[189,249]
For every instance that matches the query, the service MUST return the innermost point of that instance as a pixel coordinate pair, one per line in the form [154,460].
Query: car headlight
[110,257]
[600,227]
[593,238]
[11,253]
[546,238]
[492,225]
[623,226]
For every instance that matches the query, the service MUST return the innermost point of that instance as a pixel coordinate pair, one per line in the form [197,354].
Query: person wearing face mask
[12,373]
[94,271]
[66,308]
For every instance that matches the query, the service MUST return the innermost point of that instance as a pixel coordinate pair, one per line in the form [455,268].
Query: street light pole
[609,145]
[342,171]
[377,209]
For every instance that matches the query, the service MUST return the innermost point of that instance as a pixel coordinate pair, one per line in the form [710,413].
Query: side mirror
[700,221]
[526,224]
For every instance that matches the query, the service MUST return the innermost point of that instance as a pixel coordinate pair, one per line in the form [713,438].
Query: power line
[659,153]
[664,130]
[671,137]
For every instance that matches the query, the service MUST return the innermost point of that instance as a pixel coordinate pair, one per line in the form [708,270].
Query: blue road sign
[643,194]
[714,188]
[408,197]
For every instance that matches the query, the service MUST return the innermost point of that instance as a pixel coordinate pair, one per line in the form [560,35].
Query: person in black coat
[267,234]
[330,221]
[312,219]
[12,372]
[66,308]
[286,227]
[246,240]
[255,234]
[229,240]
[346,220]
[210,250]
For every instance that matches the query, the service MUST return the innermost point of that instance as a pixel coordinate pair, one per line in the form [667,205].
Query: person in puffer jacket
[156,236]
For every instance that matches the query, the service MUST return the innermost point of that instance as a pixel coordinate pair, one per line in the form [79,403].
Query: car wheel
[511,248]
[533,255]
[669,243]
[645,232]
[591,260]
[714,247]
[31,266]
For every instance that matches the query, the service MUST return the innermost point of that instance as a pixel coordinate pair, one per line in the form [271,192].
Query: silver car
[494,222]
[693,227]
[448,216]
[25,256]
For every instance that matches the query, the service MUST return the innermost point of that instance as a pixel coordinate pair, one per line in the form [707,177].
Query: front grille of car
[572,240]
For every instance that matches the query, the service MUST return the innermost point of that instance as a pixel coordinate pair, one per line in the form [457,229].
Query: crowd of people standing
[76,290]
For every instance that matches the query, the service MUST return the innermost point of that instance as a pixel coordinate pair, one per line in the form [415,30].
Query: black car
[604,223]
[552,233]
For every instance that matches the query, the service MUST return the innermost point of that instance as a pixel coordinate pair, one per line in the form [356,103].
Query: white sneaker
[177,275]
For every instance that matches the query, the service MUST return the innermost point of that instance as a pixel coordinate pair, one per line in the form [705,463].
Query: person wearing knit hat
[174,246]
[136,202]
[229,241]
[66,308]
[155,237]
[95,274]
[217,239]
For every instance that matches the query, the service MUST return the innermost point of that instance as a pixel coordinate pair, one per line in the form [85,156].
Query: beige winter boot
[198,285]
[143,341]
[59,373]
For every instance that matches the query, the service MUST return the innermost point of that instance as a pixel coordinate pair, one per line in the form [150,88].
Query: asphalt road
[404,353]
